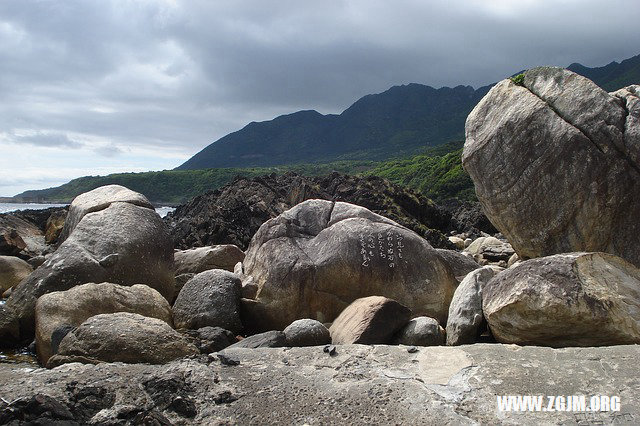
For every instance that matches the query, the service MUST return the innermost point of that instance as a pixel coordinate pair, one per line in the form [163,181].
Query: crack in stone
[613,146]
[565,119]
[624,104]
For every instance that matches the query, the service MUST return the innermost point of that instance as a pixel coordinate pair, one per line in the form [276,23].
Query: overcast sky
[93,87]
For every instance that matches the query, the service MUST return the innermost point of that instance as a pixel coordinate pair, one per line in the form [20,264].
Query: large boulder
[466,320]
[202,259]
[369,320]
[99,199]
[211,298]
[12,271]
[72,307]
[122,244]
[574,299]
[316,258]
[122,337]
[555,163]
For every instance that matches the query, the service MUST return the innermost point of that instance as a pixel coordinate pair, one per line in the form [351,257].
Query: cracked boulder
[574,299]
[555,163]
[124,243]
[313,260]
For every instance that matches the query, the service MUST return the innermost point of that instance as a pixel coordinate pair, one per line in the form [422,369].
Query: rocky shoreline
[322,300]
[358,384]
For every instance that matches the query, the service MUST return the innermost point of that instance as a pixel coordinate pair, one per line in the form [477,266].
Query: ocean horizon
[12,207]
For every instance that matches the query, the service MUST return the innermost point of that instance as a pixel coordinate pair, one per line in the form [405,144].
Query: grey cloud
[178,75]
[109,150]
[45,139]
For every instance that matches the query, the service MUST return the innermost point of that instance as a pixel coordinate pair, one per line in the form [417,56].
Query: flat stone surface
[360,384]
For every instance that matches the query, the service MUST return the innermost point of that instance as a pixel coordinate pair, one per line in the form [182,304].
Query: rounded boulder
[307,332]
[123,244]
[122,337]
[573,299]
[313,260]
[209,299]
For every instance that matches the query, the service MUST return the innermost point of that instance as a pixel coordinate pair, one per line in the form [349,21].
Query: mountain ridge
[612,76]
[435,177]
[400,121]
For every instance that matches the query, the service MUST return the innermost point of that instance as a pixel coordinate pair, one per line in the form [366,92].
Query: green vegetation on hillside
[178,186]
[437,173]
[438,176]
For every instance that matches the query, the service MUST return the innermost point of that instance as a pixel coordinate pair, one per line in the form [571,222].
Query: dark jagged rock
[22,232]
[468,216]
[38,217]
[232,214]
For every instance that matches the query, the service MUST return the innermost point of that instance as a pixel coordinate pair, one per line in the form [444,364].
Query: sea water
[10,207]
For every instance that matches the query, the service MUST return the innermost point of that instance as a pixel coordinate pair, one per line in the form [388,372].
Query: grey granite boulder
[123,244]
[466,320]
[72,307]
[210,298]
[122,337]
[313,260]
[307,332]
[555,161]
[573,299]
[421,331]
[96,200]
